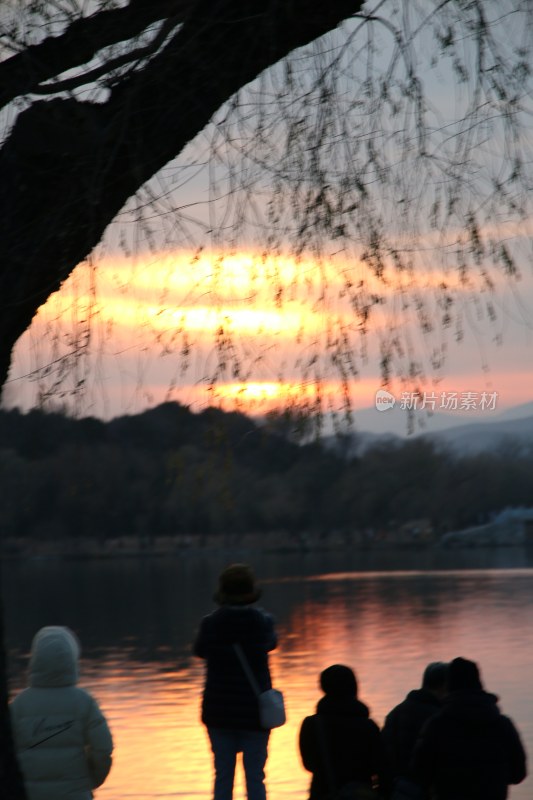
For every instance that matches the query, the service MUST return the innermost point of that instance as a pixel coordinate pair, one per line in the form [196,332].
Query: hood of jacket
[471,705]
[423,697]
[55,652]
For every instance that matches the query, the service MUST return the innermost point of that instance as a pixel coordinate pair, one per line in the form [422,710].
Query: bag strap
[246,667]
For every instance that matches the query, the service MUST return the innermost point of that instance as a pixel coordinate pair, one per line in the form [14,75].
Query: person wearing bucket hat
[237,586]
[469,750]
[229,705]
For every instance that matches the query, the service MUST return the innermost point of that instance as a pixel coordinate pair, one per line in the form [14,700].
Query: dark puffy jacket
[340,743]
[469,750]
[229,700]
[403,725]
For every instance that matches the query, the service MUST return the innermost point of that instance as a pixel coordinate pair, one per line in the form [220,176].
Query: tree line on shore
[168,471]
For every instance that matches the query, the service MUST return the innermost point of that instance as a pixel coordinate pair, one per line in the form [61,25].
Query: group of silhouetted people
[447,740]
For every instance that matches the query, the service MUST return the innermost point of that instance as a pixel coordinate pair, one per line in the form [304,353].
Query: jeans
[225,744]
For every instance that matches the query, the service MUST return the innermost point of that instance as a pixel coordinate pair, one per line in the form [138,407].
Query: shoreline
[94,550]
[91,548]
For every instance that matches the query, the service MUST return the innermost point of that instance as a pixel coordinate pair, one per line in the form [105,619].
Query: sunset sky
[155,323]
[224,323]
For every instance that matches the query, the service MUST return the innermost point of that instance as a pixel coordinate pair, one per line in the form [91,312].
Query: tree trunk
[68,167]
[11,784]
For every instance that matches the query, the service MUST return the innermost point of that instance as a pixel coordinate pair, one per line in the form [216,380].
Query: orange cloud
[166,322]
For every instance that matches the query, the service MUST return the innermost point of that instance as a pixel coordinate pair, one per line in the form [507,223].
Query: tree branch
[24,72]
[68,167]
[137,54]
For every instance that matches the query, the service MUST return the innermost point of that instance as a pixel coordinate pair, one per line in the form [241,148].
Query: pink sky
[145,317]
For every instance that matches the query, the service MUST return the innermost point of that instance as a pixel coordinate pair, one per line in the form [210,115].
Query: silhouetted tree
[343,147]
[337,145]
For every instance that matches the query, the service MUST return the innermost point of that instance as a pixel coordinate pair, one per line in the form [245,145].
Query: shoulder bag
[271,704]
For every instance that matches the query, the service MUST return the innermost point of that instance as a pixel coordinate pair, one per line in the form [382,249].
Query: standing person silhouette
[229,707]
[340,745]
[405,721]
[469,750]
[62,740]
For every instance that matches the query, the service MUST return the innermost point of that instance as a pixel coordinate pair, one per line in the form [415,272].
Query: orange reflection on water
[386,627]
[159,743]
[162,749]
[161,746]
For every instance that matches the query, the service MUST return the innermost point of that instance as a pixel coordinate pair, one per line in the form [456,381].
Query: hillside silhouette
[168,472]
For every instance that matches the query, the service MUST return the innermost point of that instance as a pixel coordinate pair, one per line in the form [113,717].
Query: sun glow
[259,332]
[274,395]
[181,292]
[249,295]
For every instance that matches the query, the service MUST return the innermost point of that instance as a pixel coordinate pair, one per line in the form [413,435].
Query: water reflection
[136,622]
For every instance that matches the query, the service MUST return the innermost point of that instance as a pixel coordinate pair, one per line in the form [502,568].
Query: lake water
[386,615]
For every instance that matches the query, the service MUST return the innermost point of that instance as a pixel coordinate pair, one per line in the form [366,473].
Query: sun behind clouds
[241,329]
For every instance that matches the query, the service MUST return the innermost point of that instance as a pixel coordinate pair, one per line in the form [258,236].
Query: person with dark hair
[234,632]
[340,745]
[403,724]
[469,750]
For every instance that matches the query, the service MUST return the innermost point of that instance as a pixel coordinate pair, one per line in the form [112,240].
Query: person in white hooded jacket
[62,740]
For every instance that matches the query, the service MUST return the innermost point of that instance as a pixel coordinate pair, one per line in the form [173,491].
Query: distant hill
[513,428]
[399,422]
[168,472]
[517,412]
[396,421]
[477,438]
